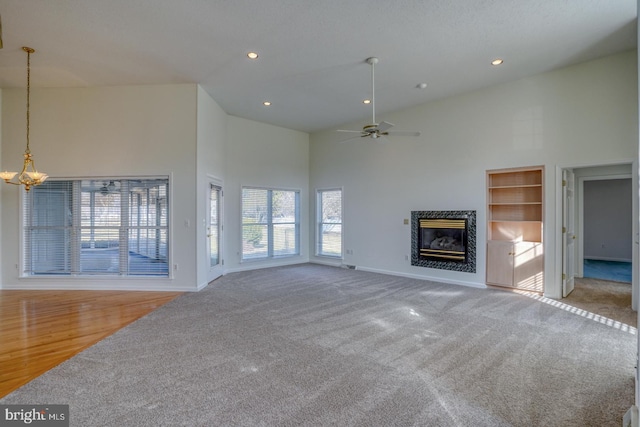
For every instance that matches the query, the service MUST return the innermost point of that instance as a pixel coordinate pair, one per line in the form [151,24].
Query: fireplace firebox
[443,240]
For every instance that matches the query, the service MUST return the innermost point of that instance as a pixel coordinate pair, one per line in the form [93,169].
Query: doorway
[607,219]
[599,194]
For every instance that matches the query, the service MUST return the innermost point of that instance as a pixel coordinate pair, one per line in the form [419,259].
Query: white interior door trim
[556,282]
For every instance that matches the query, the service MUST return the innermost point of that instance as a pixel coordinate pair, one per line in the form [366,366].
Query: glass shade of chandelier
[29,176]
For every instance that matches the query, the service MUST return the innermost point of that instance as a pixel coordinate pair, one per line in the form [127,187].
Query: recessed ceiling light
[252,55]
[366,101]
[266,103]
[422,86]
[497,61]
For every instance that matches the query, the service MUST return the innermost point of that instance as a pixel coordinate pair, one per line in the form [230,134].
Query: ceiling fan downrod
[373,61]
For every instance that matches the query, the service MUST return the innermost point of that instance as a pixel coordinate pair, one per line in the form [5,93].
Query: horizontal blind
[97,227]
[255,221]
[270,223]
[329,233]
[285,222]
[48,228]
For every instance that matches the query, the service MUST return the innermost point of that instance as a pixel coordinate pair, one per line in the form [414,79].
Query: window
[270,223]
[97,227]
[329,217]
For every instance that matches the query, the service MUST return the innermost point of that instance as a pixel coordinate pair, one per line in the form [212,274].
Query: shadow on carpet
[312,345]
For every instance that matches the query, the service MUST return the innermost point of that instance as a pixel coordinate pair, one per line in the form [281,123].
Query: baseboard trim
[420,277]
[607,259]
[329,263]
[259,266]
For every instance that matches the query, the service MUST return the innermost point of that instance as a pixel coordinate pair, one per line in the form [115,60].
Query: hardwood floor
[41,329]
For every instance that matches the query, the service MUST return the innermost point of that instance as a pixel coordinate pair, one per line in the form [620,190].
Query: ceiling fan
[107,189]
[376,130]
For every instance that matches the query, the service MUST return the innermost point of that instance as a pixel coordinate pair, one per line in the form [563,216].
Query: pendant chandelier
[29,176]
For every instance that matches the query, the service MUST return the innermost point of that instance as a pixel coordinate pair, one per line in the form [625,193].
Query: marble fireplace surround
[467,267]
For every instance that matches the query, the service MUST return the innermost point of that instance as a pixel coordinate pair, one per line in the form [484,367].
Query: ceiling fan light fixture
[110,188]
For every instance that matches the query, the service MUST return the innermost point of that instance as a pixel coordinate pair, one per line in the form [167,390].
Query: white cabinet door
[515,264]
[500,263]
[528,266]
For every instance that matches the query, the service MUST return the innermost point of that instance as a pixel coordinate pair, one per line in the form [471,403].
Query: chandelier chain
[29,176]
[28,94]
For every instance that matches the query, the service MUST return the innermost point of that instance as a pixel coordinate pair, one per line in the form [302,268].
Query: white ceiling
[312,52]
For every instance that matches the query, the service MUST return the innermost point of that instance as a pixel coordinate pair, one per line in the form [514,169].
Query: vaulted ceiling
[312,53]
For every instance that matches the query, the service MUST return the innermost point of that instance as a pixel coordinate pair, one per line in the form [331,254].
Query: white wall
[585,114]
[581,114]
[210,160]
[106,131]
[607,219]
[266,156]
[176,130]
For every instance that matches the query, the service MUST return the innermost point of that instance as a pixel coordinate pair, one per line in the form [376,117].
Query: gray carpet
[604,297]
[315,345]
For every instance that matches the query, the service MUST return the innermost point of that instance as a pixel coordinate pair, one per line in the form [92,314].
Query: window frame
[74,245]
[319,223]
[269,223]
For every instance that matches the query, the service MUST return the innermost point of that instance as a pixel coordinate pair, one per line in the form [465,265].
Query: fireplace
[444,240]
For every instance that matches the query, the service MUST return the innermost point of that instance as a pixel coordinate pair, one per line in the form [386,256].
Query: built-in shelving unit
[515,227]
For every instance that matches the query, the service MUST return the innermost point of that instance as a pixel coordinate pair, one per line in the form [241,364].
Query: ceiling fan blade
[383,126]
[350,131]
[352,138]
[402,133]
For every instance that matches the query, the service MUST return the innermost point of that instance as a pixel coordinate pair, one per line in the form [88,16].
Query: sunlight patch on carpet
[584,313]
